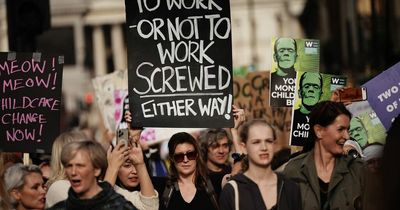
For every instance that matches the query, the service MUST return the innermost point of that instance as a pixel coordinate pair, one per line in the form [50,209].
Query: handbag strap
[236,192]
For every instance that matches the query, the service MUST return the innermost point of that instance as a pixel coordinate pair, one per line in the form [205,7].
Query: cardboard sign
[30,101]
[179,63]
[311,88]
[290,56]
[242,95]
[252,94]
[384,94]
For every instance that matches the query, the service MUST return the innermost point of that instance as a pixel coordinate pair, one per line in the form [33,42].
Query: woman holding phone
[127,171]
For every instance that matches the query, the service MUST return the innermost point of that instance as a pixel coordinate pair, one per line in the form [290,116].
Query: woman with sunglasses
[188,186]
[259,187]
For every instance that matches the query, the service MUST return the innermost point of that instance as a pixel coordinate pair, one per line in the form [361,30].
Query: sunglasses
[192,155]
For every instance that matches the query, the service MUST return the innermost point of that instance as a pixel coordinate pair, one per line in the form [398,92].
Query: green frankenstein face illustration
[358,132]
[310,89]
[285,53]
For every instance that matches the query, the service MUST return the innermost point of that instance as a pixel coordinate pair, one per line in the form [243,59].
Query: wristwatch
[237,157]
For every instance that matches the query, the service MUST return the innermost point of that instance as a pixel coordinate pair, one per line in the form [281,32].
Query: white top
[58,191]
[140,201]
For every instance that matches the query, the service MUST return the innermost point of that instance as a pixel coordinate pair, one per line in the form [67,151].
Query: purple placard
[384,94]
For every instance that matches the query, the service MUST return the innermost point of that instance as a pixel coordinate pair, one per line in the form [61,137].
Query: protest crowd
[86,175]
[292,138]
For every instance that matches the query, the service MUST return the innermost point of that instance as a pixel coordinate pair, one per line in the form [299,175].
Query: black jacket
[250,198]
[106,199]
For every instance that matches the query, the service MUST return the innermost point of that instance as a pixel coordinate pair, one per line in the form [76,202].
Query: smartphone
[353,94]
[122,136]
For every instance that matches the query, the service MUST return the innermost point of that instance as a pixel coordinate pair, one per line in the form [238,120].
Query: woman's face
[127,175]
[260,145]
[32,194]
[82,175]
[184,159]
[333,136]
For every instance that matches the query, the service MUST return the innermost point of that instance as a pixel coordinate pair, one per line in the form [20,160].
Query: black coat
[106,199]
[289,197]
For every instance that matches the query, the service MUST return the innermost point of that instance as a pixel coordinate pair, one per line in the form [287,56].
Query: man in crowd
[216,146]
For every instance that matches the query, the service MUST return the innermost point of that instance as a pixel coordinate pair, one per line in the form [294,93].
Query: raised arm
[115,157]
[136,155]
[239,118]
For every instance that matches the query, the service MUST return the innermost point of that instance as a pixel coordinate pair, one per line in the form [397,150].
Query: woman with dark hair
[259,187]
[327,179]
[129,177]
[127,170]
[188,186]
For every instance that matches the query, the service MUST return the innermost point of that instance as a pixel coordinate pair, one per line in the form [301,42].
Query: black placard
[30,101]
[179,63]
